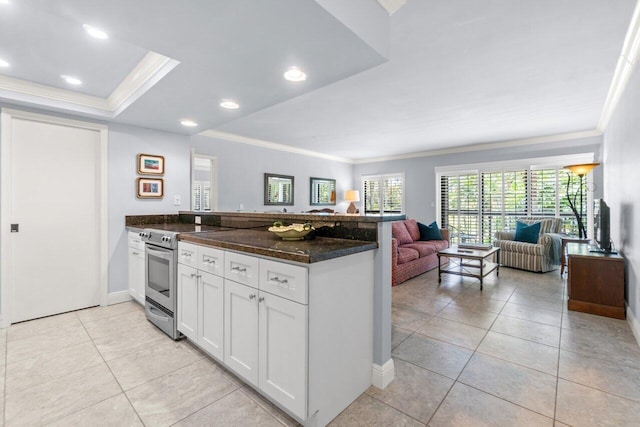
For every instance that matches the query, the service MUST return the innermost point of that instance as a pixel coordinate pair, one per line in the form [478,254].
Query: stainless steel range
[161,279]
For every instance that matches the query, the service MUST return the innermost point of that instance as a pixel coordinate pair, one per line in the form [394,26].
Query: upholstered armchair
[540,257]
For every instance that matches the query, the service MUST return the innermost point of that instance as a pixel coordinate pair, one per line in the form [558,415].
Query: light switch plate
[176,200]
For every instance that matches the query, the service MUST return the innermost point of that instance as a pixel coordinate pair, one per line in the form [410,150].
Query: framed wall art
[148,164]
[150,188]
[278,189]
[322,191]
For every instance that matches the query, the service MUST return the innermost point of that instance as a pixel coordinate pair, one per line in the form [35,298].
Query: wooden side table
[563,250]
[596,282]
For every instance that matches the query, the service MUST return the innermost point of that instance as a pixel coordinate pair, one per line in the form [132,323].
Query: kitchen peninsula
[300,321]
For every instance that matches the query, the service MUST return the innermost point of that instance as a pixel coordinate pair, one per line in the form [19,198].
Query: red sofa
[412,256]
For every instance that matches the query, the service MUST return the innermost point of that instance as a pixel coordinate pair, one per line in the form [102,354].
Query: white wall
[125,143]
[420,178]
[621,190]
[241,169]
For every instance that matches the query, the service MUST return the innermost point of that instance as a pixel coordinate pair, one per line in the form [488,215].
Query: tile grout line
[112,374]
[464,367]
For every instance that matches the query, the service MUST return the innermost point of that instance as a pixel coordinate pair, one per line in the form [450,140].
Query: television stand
[597,250]
[596,282]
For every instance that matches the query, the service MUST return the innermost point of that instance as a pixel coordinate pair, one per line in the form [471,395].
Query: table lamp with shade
[581,170]
[352,196]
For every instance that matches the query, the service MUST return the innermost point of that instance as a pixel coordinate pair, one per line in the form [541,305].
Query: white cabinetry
[266,335]
[201,297]
[241,330]
[136,267]
[302,335]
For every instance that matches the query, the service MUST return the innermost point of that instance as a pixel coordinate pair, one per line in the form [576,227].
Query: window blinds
[383,193]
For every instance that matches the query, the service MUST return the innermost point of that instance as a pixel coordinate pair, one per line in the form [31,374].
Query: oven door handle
[165,254]
[155,316]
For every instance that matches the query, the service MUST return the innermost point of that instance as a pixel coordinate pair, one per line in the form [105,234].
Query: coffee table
[471,262]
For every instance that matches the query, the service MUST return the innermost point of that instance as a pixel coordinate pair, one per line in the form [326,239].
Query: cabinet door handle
[260,299]
[239,269]
[135,253]
[252,296]
[279,280]
[193,275]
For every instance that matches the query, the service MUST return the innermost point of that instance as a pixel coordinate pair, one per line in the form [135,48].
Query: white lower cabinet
[300,335]
[266,344]
[188,301]
[211,313]
[282,352]
[200,308]
[241,330]
[136,270]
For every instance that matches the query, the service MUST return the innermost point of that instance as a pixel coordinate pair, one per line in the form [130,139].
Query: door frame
[6,275]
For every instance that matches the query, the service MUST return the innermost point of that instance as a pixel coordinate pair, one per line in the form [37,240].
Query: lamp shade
[352,196]
[582,169]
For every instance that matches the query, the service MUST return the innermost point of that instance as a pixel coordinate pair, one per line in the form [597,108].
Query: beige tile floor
[510,355]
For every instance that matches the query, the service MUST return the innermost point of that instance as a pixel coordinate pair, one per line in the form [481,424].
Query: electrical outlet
[176,200]
[198,220]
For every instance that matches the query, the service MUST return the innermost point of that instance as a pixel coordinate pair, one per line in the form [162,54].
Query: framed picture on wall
[149,164]
[150,188]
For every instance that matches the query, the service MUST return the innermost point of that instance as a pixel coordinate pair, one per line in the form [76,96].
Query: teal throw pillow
[429,232]
[527,233]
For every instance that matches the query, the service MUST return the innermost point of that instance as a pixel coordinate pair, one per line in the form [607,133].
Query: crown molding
[271,145]
[151,69]
[488,146]
[626,64]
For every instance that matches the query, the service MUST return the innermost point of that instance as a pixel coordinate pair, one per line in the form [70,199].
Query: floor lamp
[581,170]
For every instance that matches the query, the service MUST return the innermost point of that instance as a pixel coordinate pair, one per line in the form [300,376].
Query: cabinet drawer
[285,280]
[188,254]
[211,260]
[241,268]
[135,241]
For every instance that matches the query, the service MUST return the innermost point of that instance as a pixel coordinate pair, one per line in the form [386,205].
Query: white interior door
[55,199]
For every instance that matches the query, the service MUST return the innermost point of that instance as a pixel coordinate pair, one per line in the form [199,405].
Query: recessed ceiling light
[4,1]
[95,32]
[229,104]
[295,74]
[188,122]
[72,80]
[3,63]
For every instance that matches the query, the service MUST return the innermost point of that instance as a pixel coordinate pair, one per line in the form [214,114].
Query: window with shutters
[475,204]
[383,194]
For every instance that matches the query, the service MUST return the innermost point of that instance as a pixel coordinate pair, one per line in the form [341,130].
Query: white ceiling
[435,74]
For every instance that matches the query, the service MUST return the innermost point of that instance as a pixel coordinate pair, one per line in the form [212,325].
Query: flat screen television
[601,226]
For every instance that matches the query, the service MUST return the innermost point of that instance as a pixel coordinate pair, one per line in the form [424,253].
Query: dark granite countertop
[181,227]
[301,217]
[268,244]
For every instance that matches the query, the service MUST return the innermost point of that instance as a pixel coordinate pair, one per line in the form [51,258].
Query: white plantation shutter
[476,204]
[459,207]
[492,204]
[383,193]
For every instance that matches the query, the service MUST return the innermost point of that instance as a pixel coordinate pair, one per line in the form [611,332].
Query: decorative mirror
[322,191]
[278,189]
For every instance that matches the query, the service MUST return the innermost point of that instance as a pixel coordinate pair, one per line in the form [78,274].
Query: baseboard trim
[118,297]
[634,324]
[381,376]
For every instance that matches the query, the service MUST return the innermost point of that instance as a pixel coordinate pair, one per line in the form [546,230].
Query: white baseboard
[118,297]
[634,324]
[381,376]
